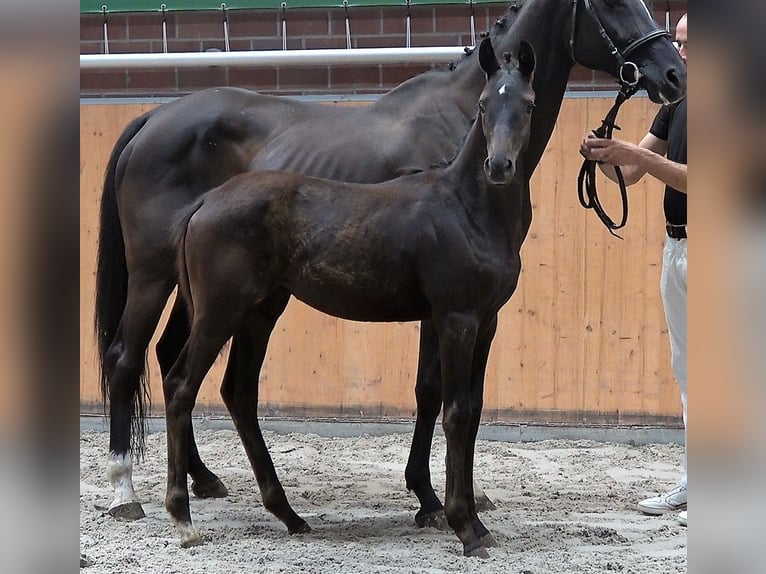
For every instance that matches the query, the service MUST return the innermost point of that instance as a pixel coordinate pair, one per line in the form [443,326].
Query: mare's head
[505,109]
[620,37]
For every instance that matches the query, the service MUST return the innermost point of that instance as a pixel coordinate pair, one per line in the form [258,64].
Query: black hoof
[302,529]
[213,489]
[436,519]
[488,541]
[475,551]
[127,511]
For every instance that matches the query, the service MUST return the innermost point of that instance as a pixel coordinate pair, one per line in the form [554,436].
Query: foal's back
[350,250]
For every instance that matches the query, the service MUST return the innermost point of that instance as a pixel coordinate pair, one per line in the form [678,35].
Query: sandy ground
[562,507]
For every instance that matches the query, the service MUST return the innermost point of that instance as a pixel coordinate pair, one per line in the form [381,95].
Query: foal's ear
[487,59]
[526,59]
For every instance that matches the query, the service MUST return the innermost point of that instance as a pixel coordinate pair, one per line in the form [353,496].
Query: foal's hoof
[302,529]
[483,503]
[436,519]
[475,551]
[127,511]
[189,534]
[488,541]
[213,489]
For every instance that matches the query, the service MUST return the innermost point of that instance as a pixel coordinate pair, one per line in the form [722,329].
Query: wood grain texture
[583,339]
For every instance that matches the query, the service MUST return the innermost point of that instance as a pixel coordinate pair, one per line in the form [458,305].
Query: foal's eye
[482,106]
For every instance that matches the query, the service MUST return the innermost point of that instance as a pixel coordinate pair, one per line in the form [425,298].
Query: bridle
[586,180]
[620,55]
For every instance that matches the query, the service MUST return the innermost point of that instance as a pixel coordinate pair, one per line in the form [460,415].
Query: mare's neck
[546,24]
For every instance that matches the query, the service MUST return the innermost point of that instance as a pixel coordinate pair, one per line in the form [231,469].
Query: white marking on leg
[119,471]
[189,534]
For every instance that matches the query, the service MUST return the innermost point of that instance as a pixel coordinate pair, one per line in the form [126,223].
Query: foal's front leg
[457,341]
[428,396]
[240,393]
[478,372]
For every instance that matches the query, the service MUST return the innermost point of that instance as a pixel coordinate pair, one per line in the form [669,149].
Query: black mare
[168,157]
[440,245]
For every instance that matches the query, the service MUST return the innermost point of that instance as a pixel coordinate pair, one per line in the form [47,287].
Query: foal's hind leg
[124,366]
[240,393]
[205,484]
[428,394]
[181,387]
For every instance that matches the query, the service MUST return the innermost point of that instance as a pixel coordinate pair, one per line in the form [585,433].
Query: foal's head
[505,109]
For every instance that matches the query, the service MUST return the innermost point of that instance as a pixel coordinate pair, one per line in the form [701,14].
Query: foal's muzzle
[499,170]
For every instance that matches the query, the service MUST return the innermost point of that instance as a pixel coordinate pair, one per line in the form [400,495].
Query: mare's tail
[112,282]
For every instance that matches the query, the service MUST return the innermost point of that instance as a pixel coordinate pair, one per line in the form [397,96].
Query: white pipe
[327,57]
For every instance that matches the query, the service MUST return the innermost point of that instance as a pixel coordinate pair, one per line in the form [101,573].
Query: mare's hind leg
[428,395]
[124,366]
[205,484]
[240,393]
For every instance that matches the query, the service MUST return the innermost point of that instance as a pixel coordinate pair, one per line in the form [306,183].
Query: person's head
[681,37]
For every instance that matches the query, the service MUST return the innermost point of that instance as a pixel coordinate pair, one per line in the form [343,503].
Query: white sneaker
[669,502]
[682,518]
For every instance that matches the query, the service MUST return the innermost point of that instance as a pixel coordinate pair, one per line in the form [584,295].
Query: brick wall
[437,25]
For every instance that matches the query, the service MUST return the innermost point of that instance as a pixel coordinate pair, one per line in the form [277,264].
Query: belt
[675,231]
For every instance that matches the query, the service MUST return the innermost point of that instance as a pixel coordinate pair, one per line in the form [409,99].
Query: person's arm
[636,160]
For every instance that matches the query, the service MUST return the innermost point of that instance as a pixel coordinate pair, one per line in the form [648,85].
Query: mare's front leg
[205,484]
[457,342]
[240,394]
[181,386]
[428,396]
[124,371]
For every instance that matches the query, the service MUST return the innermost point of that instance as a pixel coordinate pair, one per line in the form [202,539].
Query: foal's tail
[179,240]
[112,278]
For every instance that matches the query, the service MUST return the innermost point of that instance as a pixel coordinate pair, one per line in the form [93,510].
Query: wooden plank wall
[582,340]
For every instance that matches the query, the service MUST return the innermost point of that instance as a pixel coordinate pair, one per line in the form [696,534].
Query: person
[662,154]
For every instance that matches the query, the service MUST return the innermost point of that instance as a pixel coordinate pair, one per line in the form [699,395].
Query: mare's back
[411,128]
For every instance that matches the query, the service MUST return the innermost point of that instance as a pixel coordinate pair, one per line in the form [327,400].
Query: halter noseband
[620,55]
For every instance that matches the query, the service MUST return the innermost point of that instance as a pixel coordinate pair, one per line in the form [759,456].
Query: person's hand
[585,151]
[613,152]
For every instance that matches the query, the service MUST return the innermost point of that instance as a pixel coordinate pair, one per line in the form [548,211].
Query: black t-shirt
[670,126]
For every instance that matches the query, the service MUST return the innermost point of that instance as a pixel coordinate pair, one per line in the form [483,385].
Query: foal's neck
[468,165]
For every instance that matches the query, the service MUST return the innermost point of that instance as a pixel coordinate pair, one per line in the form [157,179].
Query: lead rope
[586,180]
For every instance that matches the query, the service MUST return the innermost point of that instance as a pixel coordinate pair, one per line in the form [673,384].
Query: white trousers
[673,289]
